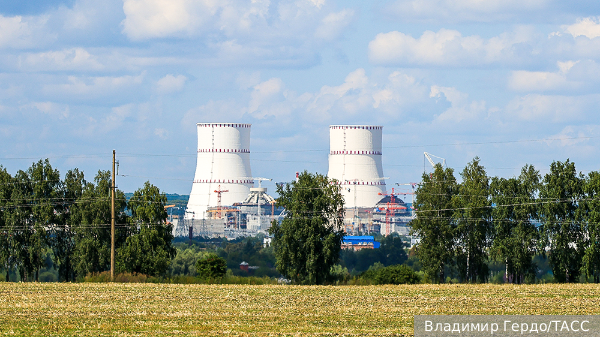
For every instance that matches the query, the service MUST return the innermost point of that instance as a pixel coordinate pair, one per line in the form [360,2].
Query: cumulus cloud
[240,31]
[54,110]
[570,76]
[448,47]
[461,108]
[263,94]
[68,59]
[552,108]
[588,27]
[333,24]
[80,88]
[162,18]
[170,84]
[20,32]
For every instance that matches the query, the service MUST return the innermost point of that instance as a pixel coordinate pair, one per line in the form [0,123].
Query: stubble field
[102,309]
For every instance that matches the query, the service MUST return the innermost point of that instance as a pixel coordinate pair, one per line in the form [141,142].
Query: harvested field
[103,309]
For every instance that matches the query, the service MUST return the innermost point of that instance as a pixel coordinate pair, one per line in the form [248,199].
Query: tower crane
[219,192]
[429,158]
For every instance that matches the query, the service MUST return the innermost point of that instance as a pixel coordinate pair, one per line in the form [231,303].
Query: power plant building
[223,174]
[355,162]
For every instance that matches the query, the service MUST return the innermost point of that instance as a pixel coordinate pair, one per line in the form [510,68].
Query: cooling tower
[223,163]
[355,161]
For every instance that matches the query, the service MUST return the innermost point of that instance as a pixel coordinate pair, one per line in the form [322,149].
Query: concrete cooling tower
[223,164]
[355,161]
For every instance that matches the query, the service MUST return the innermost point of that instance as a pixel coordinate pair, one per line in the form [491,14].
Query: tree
[91,253]
[308,241]
[6,185]
[434,223]
[211,267]
[46,193]
[473,223]
[516,237]
[560,193]
[591,256]
[149,249]
[63,234]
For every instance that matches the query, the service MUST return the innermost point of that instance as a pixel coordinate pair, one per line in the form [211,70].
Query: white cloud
[461,109]
[262,94]
[21,32]
[248,80]
[240,32]
[170,84]
[446,47]
[162,18]
[67,59]
[58,111]
[588,27]
[551,108]
[93,87]
[334,24]
[571,76]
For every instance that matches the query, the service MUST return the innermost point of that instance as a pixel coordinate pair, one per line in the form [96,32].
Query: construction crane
[412,203]
[429,158]
[260,180]
[219,192]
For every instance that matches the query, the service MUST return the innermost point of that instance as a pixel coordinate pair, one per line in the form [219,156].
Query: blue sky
[512,82]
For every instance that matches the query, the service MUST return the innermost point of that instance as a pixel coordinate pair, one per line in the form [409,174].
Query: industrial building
[225,203]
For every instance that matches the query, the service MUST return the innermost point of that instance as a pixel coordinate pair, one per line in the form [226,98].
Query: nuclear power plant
[223,164]
[355,162]
[224,201]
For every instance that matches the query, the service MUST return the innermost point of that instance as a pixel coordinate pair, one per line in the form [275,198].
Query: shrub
[397,274]
[211,267]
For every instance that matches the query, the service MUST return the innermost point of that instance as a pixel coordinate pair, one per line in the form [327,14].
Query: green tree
[46,188]
[591,256]
[516,237]
[91,253]
[21,224]
[560,193]
[434,223]
[6,186]
[149,249]
[308,241]
[473,223]
[211,267]
[63,234]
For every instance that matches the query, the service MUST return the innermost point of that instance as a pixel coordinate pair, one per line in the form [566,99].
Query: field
[102,309]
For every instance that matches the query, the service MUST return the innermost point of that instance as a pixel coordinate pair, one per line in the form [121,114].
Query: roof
[361,239]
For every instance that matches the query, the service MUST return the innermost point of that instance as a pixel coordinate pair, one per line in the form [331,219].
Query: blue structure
[366,241]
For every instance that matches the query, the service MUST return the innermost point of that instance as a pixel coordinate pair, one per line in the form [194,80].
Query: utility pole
[112,222]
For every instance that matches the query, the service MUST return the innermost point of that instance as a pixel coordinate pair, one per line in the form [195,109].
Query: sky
[512,82]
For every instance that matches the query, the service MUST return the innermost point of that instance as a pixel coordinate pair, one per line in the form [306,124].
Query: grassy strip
[138,309]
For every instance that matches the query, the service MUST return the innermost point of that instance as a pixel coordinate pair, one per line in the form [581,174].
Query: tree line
[70,218]
[463,226]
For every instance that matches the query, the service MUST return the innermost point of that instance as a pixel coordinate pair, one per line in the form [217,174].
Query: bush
[211,267]
[48,276]
[398,274]
[339,274]
[122,278]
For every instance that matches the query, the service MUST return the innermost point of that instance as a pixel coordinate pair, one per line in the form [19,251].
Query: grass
[146,309]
